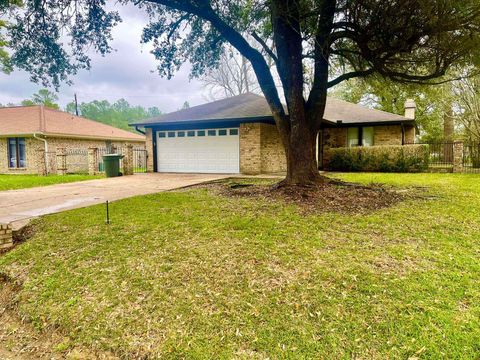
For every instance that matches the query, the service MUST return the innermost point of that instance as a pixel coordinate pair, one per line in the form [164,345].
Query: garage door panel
[212,154]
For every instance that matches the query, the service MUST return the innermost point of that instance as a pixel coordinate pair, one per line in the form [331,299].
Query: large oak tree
[407,41]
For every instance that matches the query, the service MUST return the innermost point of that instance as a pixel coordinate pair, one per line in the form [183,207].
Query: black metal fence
[471,157]
[139,160]
[442,156]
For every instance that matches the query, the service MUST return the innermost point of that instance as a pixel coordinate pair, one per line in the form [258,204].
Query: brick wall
[250,149]
[6,238]
[387,135]
[35,155]
[273,153]
[409,134]
[149,147]
[31,147]
[334,137]
[261,150]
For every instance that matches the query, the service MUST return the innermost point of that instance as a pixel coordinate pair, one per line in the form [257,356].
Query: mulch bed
[333,195]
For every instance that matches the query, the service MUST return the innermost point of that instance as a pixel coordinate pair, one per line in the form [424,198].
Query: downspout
[46,150]
[402,126]
[43,127]
[140,131]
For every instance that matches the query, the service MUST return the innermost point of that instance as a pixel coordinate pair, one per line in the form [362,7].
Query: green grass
[192,275]
[11,182]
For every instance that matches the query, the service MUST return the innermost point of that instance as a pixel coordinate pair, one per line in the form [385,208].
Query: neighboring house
[238,135]
[30,136]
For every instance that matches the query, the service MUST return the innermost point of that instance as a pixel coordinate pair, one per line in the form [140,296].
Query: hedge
[389,158]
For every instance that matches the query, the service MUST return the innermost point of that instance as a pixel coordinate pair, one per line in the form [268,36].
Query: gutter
[138,129]
[45,148]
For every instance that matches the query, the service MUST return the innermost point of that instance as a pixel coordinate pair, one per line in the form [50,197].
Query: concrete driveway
[18,206]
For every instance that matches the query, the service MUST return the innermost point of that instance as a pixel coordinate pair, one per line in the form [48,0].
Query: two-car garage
[198,151]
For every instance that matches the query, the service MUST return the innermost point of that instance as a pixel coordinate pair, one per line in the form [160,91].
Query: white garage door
[198,151]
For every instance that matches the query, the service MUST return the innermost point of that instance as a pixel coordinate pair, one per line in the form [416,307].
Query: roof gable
[38,119]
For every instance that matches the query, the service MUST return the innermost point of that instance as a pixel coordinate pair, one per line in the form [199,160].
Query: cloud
[128,72]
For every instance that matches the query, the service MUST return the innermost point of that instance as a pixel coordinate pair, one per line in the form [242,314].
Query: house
[238,135]
[31,135]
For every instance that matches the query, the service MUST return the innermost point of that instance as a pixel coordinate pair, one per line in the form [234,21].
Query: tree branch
[203,10]
[318,95]
[265,46]
[350,75]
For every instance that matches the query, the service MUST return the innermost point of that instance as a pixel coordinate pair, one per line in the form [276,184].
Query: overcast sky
[125,73]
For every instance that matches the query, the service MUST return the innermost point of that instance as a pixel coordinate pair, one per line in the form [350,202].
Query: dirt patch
[333,195]
[25,233]
[20,340]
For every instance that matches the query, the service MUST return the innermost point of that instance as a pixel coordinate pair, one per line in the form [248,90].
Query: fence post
[61,161]
[92,161]
[128,160]
[458,156]
[41,162]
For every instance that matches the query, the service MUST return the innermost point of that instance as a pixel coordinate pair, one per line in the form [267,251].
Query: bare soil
[20,340]
[331,196]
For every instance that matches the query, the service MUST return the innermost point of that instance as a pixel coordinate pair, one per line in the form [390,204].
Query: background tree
[43,97]
[119,114]
[233,76]
[413,41]
[466,107]
[382,94]
[5,65]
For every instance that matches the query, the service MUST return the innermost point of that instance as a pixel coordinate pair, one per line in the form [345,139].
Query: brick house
[31,135]
[238,135]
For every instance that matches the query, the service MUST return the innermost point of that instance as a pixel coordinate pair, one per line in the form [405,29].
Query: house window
[367,136]
[181,134]
[190,133]
[161,134]
[222,132]
[233,131]
[171,134]
[212,132]
[360,136]
[353,137]
[16,153]
[201,133]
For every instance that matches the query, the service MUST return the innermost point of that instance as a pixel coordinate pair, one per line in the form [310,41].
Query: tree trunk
[300,151]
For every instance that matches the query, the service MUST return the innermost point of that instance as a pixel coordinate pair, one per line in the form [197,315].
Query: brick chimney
[410,107]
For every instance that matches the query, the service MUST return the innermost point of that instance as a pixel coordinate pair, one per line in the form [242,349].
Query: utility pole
[76,104]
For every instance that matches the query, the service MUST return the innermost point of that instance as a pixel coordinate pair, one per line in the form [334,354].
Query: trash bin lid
[113,156]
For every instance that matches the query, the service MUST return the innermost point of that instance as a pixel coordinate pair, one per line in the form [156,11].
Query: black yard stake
[108,214]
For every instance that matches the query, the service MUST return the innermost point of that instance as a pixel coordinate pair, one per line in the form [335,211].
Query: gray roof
[252,106]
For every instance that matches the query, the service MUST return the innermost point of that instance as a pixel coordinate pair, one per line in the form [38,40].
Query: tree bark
[302,166]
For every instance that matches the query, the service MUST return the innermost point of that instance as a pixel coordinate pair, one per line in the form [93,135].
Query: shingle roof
[25,120]
[255,106]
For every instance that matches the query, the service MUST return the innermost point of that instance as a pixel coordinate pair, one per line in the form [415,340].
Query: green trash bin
[111,163]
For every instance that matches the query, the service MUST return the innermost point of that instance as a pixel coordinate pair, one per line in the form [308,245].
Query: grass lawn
[11,182]
[194,275]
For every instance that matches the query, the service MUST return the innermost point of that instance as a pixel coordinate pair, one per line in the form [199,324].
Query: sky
[128,72]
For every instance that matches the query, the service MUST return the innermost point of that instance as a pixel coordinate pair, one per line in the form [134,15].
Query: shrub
[390,158]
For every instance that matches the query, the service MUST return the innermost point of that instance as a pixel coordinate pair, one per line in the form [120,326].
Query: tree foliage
[43,97]
[409,41]
[466,105]
[382,94]
[118,114]
[5,64]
